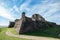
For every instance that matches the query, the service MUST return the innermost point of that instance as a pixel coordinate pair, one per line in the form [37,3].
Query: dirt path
[30,37]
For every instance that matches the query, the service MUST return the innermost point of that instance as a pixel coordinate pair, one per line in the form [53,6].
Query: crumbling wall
[31,26]
[11,24]
[18,25]
[26,24]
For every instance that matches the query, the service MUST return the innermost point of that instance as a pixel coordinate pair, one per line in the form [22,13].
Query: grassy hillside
[3,36]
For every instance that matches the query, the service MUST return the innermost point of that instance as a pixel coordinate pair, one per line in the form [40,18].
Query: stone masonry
[35,23]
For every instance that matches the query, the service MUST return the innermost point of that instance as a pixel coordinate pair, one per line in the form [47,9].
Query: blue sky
[12,9]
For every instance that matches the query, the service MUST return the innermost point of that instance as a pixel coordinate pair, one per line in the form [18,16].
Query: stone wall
[11,24]
[26,24]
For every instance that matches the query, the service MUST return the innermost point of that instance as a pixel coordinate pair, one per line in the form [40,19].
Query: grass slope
[13,31]
[3,36]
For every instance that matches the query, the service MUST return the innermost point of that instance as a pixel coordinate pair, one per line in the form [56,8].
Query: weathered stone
[36,23]
[11,24]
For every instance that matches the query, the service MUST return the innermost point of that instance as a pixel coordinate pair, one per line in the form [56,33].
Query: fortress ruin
[35,23]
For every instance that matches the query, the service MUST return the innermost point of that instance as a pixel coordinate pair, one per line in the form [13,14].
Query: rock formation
[35,23]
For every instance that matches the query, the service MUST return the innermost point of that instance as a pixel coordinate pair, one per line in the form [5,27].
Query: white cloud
[2,4]
[5,13]
[46,9]
[54,18]
[52,9]
[4,24]
[25,5]
[16,8]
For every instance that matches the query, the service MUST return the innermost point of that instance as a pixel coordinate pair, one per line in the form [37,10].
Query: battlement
[23,14]
[23,17]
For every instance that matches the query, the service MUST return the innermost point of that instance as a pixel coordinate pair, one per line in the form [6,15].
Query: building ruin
[35,23]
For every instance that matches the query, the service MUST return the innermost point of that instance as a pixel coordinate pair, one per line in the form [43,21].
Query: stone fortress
[35,23]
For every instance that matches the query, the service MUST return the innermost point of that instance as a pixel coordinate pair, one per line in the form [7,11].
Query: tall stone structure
[35,23]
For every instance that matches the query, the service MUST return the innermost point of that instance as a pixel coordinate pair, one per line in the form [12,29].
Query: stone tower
[18,22]
[23,14]
[23,17]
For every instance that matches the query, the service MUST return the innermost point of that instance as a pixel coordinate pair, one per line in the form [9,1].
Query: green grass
[13,31]
[3,36]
